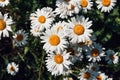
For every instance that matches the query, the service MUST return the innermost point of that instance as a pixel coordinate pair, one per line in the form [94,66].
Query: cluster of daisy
[69,41]
[65,42]
[67,8]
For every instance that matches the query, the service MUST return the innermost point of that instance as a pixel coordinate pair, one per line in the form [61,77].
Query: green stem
[39,73]
[21,57]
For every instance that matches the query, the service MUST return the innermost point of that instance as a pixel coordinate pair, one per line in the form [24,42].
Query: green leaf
[26,49]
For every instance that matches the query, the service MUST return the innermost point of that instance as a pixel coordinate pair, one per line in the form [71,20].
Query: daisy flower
[100,76]
[42,17]
[111,57]
[85,5]
[5,25]
[106,5]
[20,38]
[12,68]
[35,31]
[79,29]
[95,52]
[4,3]
[86,75]
[57,62]
[54,40]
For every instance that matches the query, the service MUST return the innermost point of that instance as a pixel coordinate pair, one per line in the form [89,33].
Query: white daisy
[54,40]
[111,57]
[106,5]
[4,3]
[79,29]
[100,76]
[58,62]
[95,52]
[85,4]
[42,18]
[85,75]
[35,31]
[12,68]
[20,38]
[5,25]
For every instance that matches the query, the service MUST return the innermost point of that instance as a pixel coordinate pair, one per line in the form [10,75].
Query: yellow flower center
[112,57]
[66,0]
[2,0]
[59,28]
[19,37]
[99,77]
[84,3]
[86,75]
[69,49]
[58,58]
[71,7]
[12,68]
[95,52]
[106,2]
[2,24]
[42,19]
[54,40]
[78,29]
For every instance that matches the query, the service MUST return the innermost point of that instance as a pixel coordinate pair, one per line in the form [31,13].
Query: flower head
[12,68]
[5,25]
[58,62]
[20,38]
[85,5]
[42,18]
[111,57]
[95,52]
[54,40]
[106,5]
[79,29]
